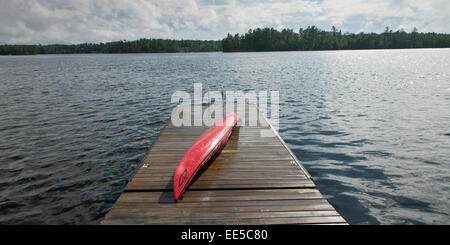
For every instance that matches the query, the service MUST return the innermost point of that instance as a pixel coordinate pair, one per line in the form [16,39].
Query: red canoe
[204,147]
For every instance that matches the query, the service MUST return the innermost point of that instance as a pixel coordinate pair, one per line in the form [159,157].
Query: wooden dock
[254,180]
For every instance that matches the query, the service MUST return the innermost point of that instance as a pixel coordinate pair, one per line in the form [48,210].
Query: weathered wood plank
[138,219]
[292,204]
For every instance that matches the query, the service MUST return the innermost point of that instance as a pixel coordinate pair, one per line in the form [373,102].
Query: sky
[79,21]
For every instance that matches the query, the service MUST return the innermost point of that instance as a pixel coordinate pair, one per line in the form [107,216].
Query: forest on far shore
[312,38]
[260,39]
[138,46]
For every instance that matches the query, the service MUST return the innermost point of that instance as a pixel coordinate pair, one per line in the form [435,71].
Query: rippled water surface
[372,127]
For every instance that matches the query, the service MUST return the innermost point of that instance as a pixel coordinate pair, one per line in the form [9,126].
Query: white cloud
[64,21]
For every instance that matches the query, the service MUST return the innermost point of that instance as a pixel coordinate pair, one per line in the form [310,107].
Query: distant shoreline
[114,53]
[229,52]
[137,46]
[257,40]
[325,50]
[312,38]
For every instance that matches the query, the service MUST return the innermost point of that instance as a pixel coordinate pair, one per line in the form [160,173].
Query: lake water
[371,127]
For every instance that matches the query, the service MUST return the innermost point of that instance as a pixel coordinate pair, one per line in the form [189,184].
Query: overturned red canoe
[205,146]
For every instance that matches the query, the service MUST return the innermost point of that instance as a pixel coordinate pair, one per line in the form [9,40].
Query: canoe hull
[208,144]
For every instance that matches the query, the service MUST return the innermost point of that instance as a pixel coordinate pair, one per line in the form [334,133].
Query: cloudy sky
[76,21]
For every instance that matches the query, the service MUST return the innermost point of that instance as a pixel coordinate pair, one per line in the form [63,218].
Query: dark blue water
[372,127]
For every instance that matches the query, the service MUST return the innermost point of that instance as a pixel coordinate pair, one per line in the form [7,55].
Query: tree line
[260,39]
[137,46]
[312,38]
